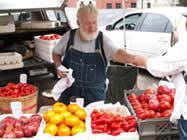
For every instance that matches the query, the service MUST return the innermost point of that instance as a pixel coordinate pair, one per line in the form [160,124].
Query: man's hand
[140,60]
[61,74]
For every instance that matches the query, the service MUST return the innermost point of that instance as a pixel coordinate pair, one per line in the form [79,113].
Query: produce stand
[151,129]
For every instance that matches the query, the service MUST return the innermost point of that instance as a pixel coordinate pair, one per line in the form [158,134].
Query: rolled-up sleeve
[60,48]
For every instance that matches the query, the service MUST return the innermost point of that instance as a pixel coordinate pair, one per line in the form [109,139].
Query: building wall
[157,3]
[102,4]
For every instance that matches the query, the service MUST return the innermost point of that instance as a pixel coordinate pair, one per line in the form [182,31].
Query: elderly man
[87,51]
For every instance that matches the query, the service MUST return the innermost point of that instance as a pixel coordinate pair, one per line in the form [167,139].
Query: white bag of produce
[63,83]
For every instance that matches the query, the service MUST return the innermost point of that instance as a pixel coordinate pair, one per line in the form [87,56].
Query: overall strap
[71,39]
[99,42]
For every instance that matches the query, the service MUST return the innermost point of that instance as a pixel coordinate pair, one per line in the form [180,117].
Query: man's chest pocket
[90,73]
[83,72]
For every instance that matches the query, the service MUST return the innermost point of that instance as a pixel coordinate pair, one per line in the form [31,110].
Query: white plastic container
[109,108]
[44,48]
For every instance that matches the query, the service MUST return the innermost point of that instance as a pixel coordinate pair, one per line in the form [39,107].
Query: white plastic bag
[179,106]
[63,83]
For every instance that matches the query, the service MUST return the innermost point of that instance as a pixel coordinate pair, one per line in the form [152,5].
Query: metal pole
[142,4]
[124,30]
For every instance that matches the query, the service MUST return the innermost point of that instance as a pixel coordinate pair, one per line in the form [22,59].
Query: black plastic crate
[151,129]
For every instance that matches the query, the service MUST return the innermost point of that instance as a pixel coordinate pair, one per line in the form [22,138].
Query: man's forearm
[123,57]
[57,59]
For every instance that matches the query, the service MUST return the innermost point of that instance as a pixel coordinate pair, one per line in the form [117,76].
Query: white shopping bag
[179,104]
[63,83]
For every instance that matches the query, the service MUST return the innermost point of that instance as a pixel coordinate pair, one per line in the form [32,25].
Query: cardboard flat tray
[10,58]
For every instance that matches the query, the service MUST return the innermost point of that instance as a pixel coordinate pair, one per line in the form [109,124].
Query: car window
[130,22]
[154,23]
[169,28]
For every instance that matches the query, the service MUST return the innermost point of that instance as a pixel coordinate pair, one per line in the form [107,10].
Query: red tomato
[116,132]
[132,123]
[164,105]
[172,95]
[52,38]
[149,97]
[141,97]
[132,130]
[150,91]
[42,36]
[57,36]
[132,97]
[151,113]
[166,113]
[164,89]
[97,131]
[125,125]
[139,111]
[165,97]
[157,115]
[153,104]
[145,105]
[130,117]
[137,106]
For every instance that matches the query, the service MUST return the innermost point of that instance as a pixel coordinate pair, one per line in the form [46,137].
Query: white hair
[90,9]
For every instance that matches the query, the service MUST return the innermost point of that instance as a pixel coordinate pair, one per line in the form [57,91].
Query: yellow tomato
[72,121]
[75,130]
[82,124]
[47,115]
[65,113]
[64,131]
[73,107]
[56,118]
[51,129]
[59,107]
[81,113]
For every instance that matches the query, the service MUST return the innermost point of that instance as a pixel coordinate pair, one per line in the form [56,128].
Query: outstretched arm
[123,57]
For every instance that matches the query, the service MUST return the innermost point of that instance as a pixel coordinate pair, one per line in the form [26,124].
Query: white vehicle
[149,32]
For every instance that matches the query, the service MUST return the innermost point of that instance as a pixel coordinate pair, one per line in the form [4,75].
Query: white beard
[89,36]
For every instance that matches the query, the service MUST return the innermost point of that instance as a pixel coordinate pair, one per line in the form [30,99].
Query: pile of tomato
[65,120]
[153,103]
[111,124]
[50,37]
[17,90]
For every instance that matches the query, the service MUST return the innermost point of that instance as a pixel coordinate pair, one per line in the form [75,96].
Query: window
[118,5]
[129,20]
[154,23]
[133,5]
[170,27]
[109,5]
[148,5]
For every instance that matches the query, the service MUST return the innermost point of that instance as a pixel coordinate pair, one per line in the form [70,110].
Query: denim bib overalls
[89,71]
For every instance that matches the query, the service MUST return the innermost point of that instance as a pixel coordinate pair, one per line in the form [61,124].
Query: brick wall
[102,4]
